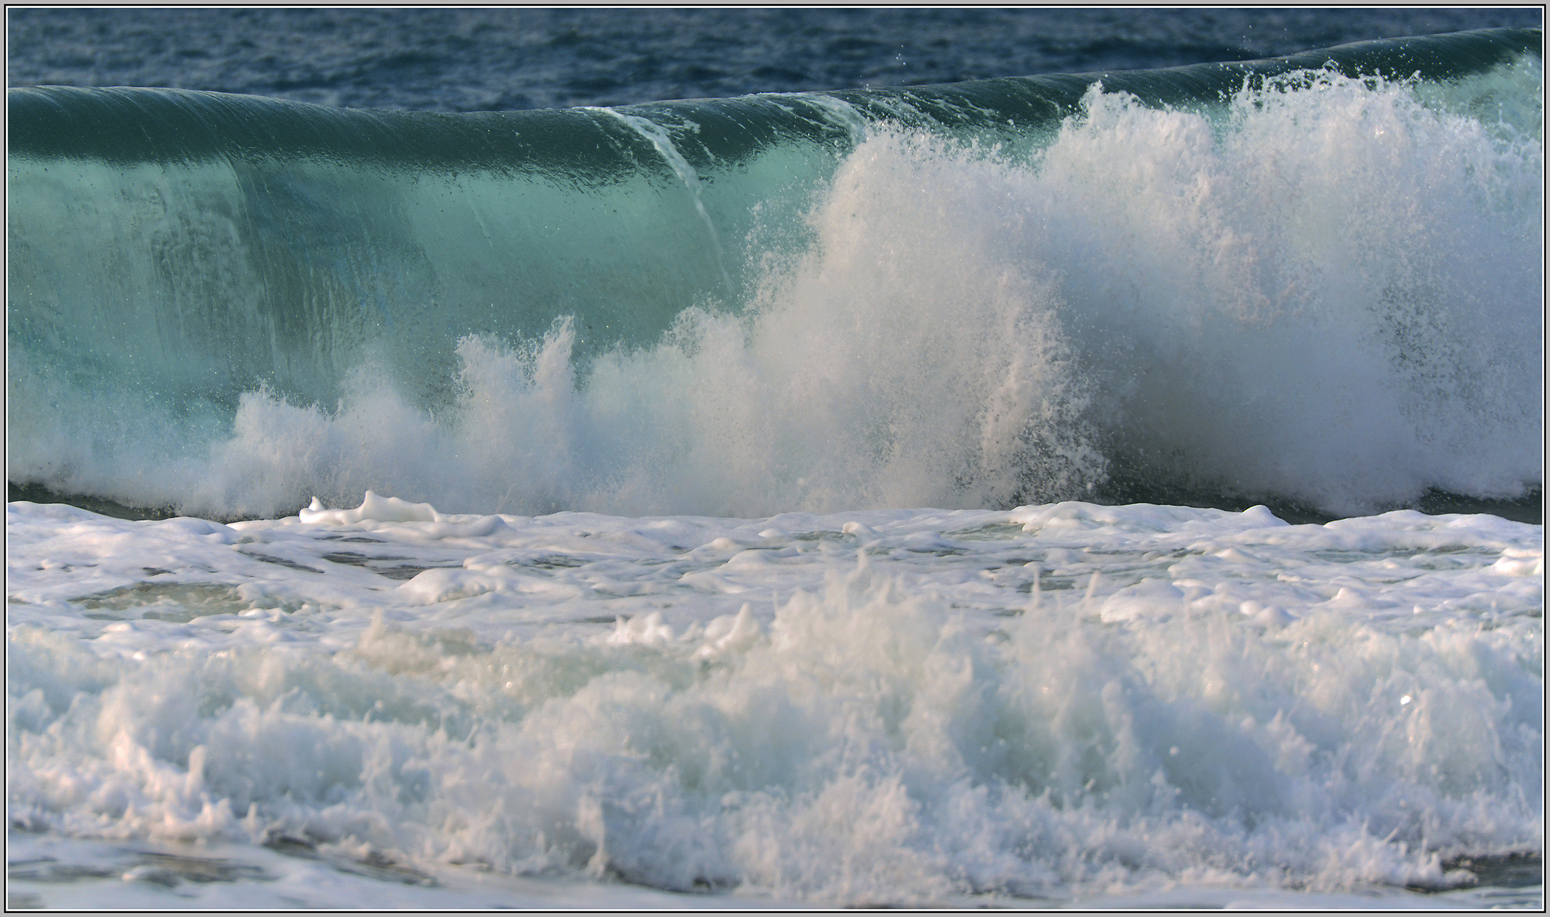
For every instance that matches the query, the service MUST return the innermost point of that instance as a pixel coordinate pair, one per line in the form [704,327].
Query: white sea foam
[905,707]
[1302,293]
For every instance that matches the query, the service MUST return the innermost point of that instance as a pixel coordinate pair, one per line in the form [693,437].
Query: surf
[1138,285]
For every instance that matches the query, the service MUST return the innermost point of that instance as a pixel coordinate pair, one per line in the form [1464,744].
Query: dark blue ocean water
[508,59]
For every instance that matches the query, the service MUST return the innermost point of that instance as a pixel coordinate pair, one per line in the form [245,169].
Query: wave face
[1315,279]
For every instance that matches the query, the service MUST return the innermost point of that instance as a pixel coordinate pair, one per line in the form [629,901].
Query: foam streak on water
[1059,703]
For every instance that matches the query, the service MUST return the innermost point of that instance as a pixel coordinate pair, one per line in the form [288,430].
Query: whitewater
[999,493]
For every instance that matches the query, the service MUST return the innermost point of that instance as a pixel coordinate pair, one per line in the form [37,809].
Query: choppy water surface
[510,59]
